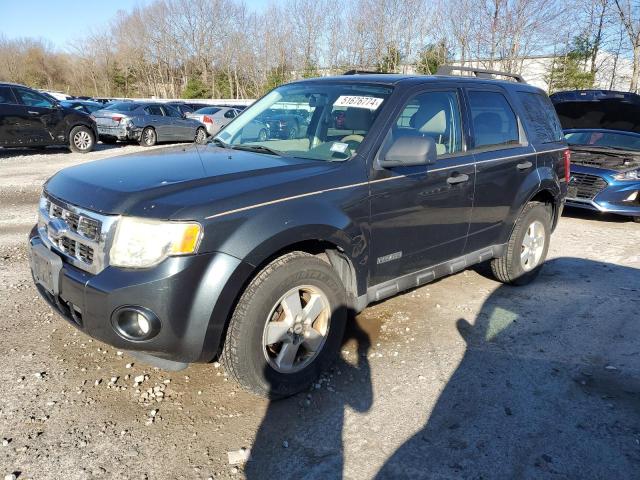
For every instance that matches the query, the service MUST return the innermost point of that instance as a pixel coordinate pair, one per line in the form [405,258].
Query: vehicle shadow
[301,437]
[584,214]
[548,386]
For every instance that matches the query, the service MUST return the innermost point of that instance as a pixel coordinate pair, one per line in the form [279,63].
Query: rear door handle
[524,165]
[463,177]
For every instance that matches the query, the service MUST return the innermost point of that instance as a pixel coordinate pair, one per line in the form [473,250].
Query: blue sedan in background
[602,129]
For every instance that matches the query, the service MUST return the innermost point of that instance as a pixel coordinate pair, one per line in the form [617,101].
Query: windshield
[210,110]
[122,106]
[603,139]
[319,121]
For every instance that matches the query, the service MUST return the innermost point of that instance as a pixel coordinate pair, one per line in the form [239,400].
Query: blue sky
[61,21]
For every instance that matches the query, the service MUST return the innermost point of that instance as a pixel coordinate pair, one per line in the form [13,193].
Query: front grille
[584,186]
[85,226]
[82,236]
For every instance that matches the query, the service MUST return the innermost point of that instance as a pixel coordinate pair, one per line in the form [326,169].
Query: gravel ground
[463,378]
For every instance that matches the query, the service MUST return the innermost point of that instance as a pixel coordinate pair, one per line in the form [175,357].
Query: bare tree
[630,17]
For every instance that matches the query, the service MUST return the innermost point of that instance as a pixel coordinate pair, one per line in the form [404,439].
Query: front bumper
[191,296]
[612,199]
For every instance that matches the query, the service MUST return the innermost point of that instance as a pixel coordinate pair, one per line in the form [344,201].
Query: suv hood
[598,110]
[184,182]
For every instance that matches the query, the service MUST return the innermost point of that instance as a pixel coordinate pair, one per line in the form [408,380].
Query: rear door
[420,214]
[10,116]
[39,118]
[504,160]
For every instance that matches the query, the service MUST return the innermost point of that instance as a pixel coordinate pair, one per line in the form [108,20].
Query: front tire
[527,248]
[287,326]
[262,135]
[81,139]
[636,219]
[148,137]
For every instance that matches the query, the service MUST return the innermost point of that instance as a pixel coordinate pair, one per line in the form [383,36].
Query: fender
[528,188]
[543,179]
[261,233]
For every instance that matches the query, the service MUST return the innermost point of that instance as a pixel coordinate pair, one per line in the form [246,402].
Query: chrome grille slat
[86,237]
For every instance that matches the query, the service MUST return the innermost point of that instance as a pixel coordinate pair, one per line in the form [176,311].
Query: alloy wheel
[532,246]
[82,140]
[296,329]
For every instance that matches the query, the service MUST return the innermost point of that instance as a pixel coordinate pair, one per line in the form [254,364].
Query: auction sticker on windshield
[370,103]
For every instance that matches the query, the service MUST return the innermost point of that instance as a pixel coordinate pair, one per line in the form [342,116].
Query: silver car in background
[146,123]
[214,118]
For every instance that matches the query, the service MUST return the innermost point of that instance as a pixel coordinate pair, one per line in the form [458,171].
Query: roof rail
[361,72]
[478,72]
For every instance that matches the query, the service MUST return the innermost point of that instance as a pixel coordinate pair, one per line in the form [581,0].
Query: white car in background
[214,118]
[57,95]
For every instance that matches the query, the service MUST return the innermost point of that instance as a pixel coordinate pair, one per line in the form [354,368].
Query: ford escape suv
[256,251]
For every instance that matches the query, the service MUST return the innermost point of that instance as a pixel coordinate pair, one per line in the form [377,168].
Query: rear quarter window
[541,117]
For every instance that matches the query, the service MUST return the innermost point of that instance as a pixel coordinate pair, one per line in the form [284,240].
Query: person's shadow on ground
[301,437]
[546,388]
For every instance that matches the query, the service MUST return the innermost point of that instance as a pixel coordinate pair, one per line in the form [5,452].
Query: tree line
[223,49]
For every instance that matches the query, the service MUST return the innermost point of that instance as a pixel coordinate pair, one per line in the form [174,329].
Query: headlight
[630,175]
[141,243]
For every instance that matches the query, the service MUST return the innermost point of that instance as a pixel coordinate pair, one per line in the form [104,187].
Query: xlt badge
[389,258]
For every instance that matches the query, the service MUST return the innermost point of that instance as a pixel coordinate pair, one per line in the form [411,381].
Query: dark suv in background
[30,119]
[256,250]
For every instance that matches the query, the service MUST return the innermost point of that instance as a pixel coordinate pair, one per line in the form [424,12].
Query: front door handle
[31,112]
[458,179]
[524,166]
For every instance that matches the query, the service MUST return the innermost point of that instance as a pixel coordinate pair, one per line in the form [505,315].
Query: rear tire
[201,136]
[636,219]
[81,139]
[276,345]
[262,135]
[148,137]
[527,248]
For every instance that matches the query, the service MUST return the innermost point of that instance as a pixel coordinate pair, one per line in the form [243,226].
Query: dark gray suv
[256,251]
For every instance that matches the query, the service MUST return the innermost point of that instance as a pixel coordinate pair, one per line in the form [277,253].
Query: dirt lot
[463,378]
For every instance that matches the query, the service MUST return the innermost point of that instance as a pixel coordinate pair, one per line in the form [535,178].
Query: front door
[420,214]
[39,119]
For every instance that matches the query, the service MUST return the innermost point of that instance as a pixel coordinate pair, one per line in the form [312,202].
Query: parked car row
[38,119]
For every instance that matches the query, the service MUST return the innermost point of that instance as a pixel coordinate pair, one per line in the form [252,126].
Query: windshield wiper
[219,142]
[259,149]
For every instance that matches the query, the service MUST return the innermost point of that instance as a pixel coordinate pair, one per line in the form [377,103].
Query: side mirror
[409,151]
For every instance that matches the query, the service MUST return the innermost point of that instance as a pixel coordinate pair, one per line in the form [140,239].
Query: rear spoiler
[478,72]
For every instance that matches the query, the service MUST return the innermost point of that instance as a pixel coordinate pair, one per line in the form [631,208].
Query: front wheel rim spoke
[312,309]
[287,355]
[276,332]
[292,306]
[312,339]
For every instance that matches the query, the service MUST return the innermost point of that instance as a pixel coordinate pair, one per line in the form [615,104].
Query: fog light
[135,323]
[632,197]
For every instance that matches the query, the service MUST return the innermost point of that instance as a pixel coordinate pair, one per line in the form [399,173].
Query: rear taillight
[566,155]
[116,118]
[207,119]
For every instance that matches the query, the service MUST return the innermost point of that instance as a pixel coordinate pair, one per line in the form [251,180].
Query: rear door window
[6,95]
[541,116]
[494,122]
[154,110]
